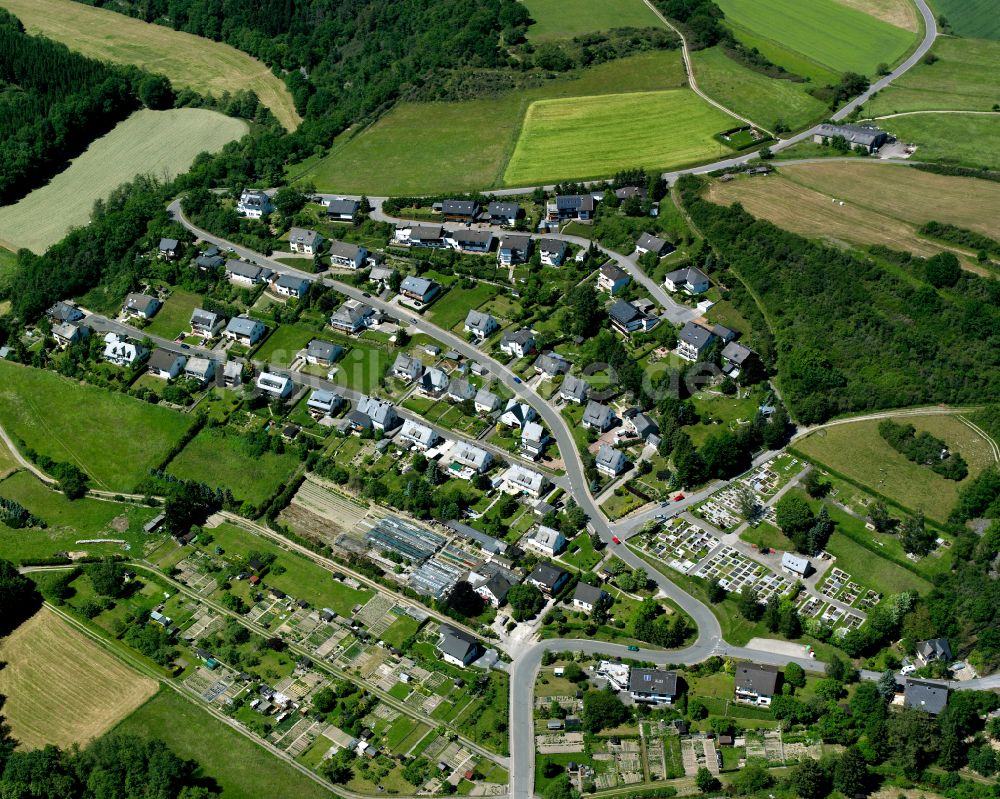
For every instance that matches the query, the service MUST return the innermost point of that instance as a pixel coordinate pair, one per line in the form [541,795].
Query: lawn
[148,142]
[586,137]
[174,317]
[962,139]
[242,768]
[61,687]
[857,451]
[114,438]
[971,17]
[474,138]
[767,535]
[963,78]
[458,302]
[67,522]
[189,61]
[400,630]
[563,19]
[8,463]
[362,367]
[284,343]
[762,99]
[834,35]
[220,458]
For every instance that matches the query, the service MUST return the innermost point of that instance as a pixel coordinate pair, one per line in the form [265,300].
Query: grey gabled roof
[647,241]
[734,352]
[503,209]
[477,320]
[689,274]
[487,398]
[518,242]
[624,312]
[324,350]
[574,387]
[931,697]
[292,282]
[300,235]
[597,414]
[242,325]
[761,679]
[552,245]
[575,202]
[547,574]
[344,249]
[342,206]
[934,648]
[695,335]
[426,232]
[652,681]
[456,643]
[459,207]
[244,269]
[210,261]
[417,285]
[610,458]
[587,593]
[522,337]
[613,272]
[466,236]
[163,360]
[552,363]
[855,134]
[168,244]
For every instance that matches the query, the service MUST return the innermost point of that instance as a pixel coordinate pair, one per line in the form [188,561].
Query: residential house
[474,241]
[869,138]
[247,274]
[504,213]
[486,401]
[68,333]
[244,330]
[349,256]
[756,684]
[517,414]
[419,289]
[520,480]
[141,305]
[552,251]
[381,413]
[254,204]
[460,390]
[275,385]
[64,312]
[304,242]
[168,249]
[518,343]
[205,324]
[291,286]
[612,278]
[514,249]
[381,275]
[460,210]
[641,424]
[122,351]
[201,370]
[586,597]
[209,263]
[165,364]
[736,359]
[433,382]
[546,540]
[457,647]
[481,325]
[571,206]
[466,456]
[573,389]
[352,317]
[652,686]
[693,340]
[533,439]
[494,590]
[654,244]
[597,416]
[795,565]
[322,353]
[341,209]
[407,368]
[931,697]
[551,364]
[324,403]
[933,649]
[418,435]
[547,578]
[628,192]
[688,279]
[412,235]
[610,461]
[628,319]
[232,374]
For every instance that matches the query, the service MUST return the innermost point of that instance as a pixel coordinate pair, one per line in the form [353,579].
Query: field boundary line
[988,438]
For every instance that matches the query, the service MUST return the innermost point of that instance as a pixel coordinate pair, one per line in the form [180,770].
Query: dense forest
[851,333]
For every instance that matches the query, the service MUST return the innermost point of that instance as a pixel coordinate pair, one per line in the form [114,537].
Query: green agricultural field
[174,317]
[858,452]
[282,345]
[67,522]
[791,60]
[154,142]
[962,79]
[964,139]
[438,147]
[832,34]
[114,438]
[759,98]
[220,459]
[563,19]
[971,17]
[587,137]
[189,61]
[242,768]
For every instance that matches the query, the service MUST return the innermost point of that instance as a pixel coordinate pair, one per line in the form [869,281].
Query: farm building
[871,139]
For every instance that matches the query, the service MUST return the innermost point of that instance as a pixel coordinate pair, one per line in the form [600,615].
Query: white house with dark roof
[494,590]
[612,278]
[481,325]
[931,697]
[647,242]
[587,597]
[245,330]
[291,286]
[141,305]
[627,318]
[933,649]
[407,368]
[693,340]
[552,251]
[324,403]
[514,249]
[419,289]
[467,456]
[688,279]
[517,414]
[795,565]
[547,578]
[322,353]
[304,242]
[205,324]
[201,370]
[247,274]
[546,540]
[533,439]
[418,435]
[518,479]
[597,416]
[254,204]
[165,364]
[551,364]
[347,255]
[168,249]
[352,317]
[652,686]
[64,312]
[460,210]
[458,648]
[574,389]
[502,213]
[571,206]
[414,235]
[275,385]
[341,209]
[381,412]
[466,240]
[68,333]
[460,390]
[518,343]
[735,358]
[433,382]
[486,401]
[610,461]
[755,683]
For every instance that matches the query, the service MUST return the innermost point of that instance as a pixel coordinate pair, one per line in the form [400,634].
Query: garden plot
[217,686]
[376,611]
[839,585]
[681,545]
[628,760]
[193,572]
[300,737]
[735,571]
[766,745]
[203,623]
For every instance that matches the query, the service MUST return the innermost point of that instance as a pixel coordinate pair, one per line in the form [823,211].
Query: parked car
[616,539]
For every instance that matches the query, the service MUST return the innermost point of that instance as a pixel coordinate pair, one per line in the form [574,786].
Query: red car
[616,539]
[678,498]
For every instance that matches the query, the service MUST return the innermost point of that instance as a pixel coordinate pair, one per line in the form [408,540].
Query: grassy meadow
[588,137]
[832,34]
[976,18]
[148,142]
[114,438]
[563,19]
[189,61]
[174,317]
[61,687]
[971,140]
[463,146]
[759,98]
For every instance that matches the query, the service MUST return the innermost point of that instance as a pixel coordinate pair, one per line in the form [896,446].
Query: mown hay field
[114,438]
[587,137]
[832,34]
[159,143]
[188,61]
[61,687]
